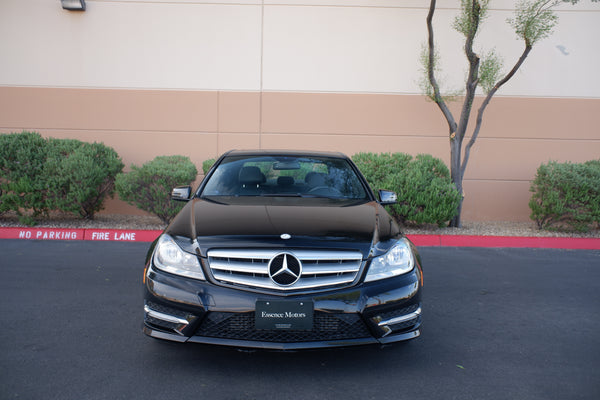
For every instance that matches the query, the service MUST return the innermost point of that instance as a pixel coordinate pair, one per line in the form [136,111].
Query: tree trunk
[456,175]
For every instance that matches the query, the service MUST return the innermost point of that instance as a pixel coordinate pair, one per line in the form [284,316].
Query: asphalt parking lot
[498,324]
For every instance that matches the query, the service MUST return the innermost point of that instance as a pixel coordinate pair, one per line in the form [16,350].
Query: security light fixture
[73,5]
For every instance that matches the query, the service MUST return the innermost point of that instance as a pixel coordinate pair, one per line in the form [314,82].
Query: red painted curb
[113,235]
[42,233]
[426,240]
[506,241]
[136,235]
[121,235]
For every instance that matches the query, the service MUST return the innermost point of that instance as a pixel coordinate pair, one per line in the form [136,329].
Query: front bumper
[188,310]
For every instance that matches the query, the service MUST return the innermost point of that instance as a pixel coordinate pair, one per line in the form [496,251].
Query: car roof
[301,153]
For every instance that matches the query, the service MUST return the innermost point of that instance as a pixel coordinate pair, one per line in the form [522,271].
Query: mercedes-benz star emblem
[285,269]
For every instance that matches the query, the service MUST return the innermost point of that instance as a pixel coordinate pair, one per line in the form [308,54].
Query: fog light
[388,325]
[167,321]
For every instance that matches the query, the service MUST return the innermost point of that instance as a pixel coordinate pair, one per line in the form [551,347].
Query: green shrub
[60,148]
[22,185]
[426,194]
[207,165]
[40,175]
[566,196]
[429,196]
[149,187]
[81,175]
[379,169]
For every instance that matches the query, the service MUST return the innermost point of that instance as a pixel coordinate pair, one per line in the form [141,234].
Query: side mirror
[181,193]
[387,197]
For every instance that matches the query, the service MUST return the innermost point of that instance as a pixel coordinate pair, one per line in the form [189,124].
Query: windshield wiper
[212,199]
[321,196]
[302,195]
[281,195]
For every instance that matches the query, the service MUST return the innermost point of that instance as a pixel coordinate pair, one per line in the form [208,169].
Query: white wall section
[130,45]
[279,45]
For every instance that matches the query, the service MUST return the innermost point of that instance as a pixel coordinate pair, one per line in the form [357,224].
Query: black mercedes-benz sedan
[283,250]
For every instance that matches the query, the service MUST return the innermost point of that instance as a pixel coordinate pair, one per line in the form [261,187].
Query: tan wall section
[518,133]
[106,109]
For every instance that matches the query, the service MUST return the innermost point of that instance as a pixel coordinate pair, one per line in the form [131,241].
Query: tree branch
[430,72]
[487,100]
[473,77]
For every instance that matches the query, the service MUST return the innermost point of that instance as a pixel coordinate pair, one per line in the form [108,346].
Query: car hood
[260,222]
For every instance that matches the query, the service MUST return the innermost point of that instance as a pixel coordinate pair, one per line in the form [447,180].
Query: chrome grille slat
[266,283]
[326,269]
[238,266]
[267,254]
[320,269]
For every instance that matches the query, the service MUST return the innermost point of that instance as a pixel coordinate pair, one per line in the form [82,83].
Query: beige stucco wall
[197,78]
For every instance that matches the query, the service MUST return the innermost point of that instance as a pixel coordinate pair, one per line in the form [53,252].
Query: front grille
[320,269]
[326,326]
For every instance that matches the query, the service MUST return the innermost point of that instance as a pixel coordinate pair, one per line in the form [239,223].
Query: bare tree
[534,20]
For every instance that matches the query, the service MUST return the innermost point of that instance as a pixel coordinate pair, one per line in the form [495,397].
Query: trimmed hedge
[207,165]
[426,194]
[22,182]
[82,178]
[566,196]
[149,187]
[41,175]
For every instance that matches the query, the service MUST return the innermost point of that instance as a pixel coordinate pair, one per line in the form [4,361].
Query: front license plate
[287,315]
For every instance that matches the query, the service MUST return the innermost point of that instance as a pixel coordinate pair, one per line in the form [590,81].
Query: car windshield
[285,176]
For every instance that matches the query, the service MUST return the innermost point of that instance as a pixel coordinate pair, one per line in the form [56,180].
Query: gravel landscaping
[120,221]
[100,221]
[499,228]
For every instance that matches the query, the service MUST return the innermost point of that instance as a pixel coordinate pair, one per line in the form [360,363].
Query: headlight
[397,261]
[169,257]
